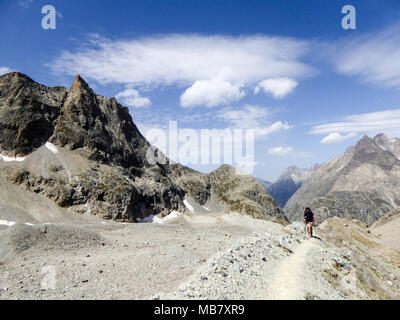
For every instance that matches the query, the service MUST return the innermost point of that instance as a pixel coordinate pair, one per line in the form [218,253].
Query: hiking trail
[287,283]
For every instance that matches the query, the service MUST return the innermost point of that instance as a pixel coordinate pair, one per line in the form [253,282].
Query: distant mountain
[392,145]
[363,183]
[83,152]
[264,183]
[288,183]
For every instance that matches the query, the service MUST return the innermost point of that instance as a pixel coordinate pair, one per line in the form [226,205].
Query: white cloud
[211,93]
[248,116]
[252,117]
[132,98]
[362,123]
[280,151]
[288,152]
[335,137]
[184,59]
[275,127]
[375,58]
[4,70]
[217,64]
[278,87]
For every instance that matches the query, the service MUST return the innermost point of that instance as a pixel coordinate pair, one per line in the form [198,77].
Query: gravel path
[288,280]
[279,263]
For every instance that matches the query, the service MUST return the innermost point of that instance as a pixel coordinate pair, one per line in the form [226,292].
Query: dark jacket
[309,216]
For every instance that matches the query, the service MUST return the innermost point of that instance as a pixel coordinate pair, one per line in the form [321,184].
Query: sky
[285,72]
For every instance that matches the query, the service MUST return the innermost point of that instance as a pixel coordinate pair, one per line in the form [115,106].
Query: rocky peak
[366,144]
[81,85]
[298,175]
[367,151]
[28,112]
[100,127]
[381,139]
[15,77]
[392,145]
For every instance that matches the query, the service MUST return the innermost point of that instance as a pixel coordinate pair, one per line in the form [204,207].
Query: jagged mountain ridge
[393,145]
[363,183]
[288,183]
[99,166]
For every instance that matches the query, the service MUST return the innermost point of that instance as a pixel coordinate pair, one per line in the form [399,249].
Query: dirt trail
[288,279]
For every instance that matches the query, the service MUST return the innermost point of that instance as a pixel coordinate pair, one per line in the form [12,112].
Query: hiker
[309,220]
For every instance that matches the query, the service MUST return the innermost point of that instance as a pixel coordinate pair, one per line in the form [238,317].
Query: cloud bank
[362,123]
[214,68]
[374,58]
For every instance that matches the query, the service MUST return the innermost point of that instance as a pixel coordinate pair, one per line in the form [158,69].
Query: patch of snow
[6,223]
[173,215]
[187,205]
[9,159]
[206,208]
[29,224]
[147,219]
[51,147]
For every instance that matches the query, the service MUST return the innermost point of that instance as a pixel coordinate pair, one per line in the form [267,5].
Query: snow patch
[187,205]
[172,216]
[6,223]
[51,147]
[9,159]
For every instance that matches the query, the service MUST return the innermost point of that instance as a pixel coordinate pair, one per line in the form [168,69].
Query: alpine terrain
[90,210]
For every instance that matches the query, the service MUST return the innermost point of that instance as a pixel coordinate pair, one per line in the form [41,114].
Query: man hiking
[309,221]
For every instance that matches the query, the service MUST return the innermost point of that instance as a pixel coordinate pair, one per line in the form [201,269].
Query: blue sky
[287,69]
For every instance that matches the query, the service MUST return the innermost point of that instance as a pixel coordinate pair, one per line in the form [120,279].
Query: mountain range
[83,152]
[363,183]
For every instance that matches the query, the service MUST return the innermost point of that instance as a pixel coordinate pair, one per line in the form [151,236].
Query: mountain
[264,183]
[288,183]
[227,189]
[392,145]
[83,152]
[363,183]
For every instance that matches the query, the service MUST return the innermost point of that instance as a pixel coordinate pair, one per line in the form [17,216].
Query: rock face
[84,152]
[28,113]
[228,190]
[392,145]
[288,183]
[242,193]
[363,183]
